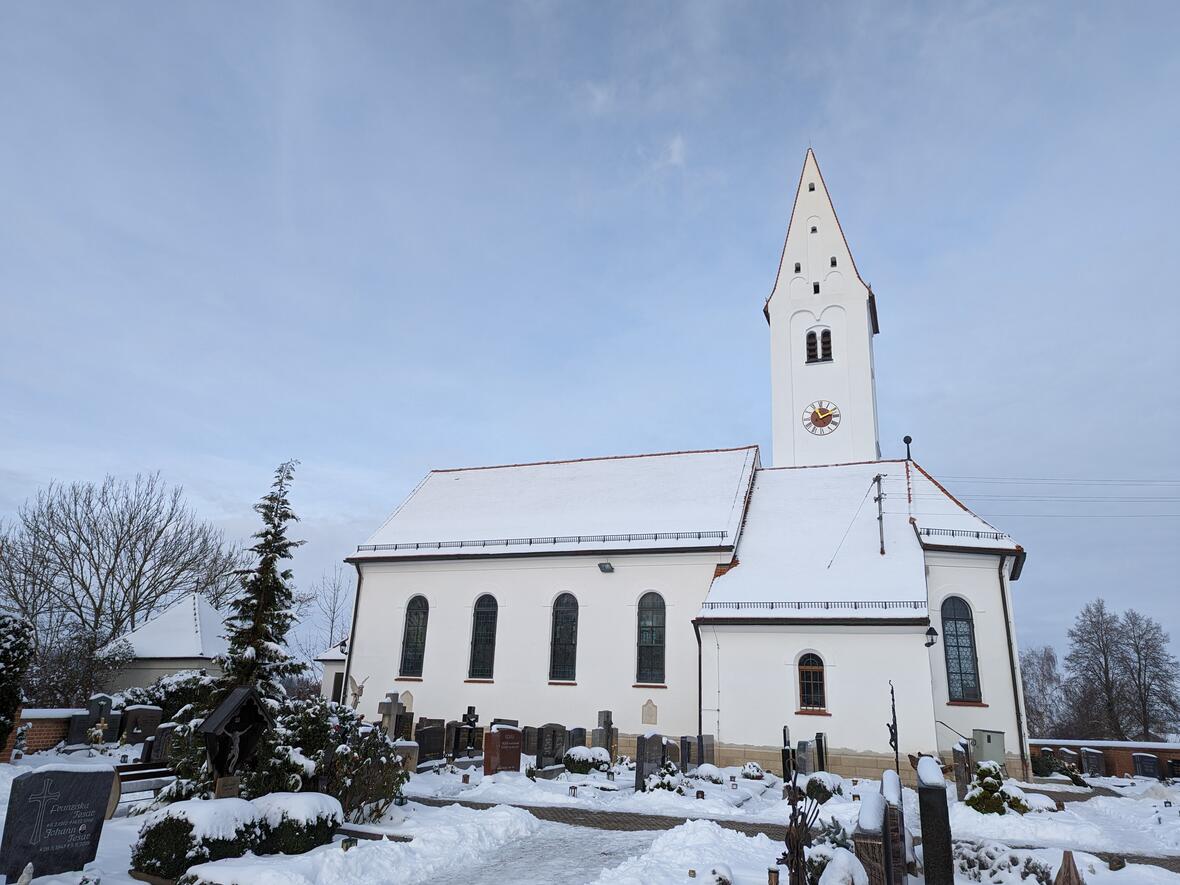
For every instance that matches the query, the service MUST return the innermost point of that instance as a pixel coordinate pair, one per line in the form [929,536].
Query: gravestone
[894,834]
[649,756]
[686,744]
[162,743]
[937,853]
[529,740]
[424,722]
[501,749]
[408,750]
[99,707]
[140,722]
[395,720]
[1068,756]
[430,740]
[449,738]
[1146,765]
[606,721]
[649,713]
[964,768]
[55,818]
[868,840]
[577,737]
[1093,762]
[515,723]
[672,752]
[470,718]
[805,758]
[407,700]
[550,745]
[821,752]
[232,731]
[706,749]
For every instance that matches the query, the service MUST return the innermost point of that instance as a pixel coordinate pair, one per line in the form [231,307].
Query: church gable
[672,501]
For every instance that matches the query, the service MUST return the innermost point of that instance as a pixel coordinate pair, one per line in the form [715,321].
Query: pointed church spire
[822,318]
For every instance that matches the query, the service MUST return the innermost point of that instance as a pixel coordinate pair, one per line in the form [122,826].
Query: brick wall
[1118,758]
[46,733]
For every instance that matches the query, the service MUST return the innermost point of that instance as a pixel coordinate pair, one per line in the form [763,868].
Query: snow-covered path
[560,853]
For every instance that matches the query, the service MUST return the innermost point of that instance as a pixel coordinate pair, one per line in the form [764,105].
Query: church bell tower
[822,319]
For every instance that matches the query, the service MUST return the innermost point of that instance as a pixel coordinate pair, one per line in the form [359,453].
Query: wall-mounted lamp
[605,567]
[931,637]
[343,646]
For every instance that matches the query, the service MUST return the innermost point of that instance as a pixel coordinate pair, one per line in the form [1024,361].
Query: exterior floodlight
[605,567]
[931,637]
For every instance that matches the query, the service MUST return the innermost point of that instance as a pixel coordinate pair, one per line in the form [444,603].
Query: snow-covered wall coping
[1126,745]
[49,712]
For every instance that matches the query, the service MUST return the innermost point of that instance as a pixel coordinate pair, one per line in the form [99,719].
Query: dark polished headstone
[1146,765]
[821,752]
[1068,756]
[577,737]
[54,819]
[78,729]
[606,721]
[805,757]
[706,749]
[893,833]
[964,769]
[161,750]
[649,756]
[1093,762]
[937,854]
[140,722]
[551,745]
[530,733]
[501,749]
[430,740]
[515,723]
[686,747]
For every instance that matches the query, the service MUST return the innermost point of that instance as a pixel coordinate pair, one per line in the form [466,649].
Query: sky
[386,237]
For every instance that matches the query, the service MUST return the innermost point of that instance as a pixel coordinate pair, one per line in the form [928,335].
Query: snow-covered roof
[944,521]
[189,628]
[674,500]
[811,548]
[332,655]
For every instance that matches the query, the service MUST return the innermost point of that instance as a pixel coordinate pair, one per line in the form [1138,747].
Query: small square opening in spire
[798,267]
[814,229]
[815,288]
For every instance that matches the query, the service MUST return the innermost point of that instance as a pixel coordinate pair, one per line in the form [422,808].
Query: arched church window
[811,683]
[798,267]
[962,664]
[414,637]
[825,345]
[812,348]
[650,644]
[563,642]
[483,638]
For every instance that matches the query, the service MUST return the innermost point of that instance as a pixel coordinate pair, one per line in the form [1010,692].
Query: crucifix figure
[42,799]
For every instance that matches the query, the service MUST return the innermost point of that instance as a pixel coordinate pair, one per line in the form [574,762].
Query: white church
[705,592]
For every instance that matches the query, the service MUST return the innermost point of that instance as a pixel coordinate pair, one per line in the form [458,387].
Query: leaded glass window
[958,639]
[650,669]
[414,637]
[563,644]
[811,683]
[483,638]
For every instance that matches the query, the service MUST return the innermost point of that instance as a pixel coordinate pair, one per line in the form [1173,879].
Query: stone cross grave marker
[232,731]
[610,734]
[1093,762]
[140,722]
[529,745]
[389,710]
[649,756]
[55,817]
[551,745]
[501,749]
[1146,765]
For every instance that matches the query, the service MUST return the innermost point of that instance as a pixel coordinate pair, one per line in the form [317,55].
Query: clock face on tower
[821,417]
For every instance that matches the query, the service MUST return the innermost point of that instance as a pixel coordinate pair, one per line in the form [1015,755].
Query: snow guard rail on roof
[536,542]
[916,604]
[964,533]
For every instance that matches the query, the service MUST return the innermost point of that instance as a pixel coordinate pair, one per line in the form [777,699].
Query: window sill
[966,704]
[649,685]
[561,682]
[407,679]
[480,681]
[812,713]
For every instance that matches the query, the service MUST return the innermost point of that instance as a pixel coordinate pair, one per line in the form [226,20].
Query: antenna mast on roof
[880,499]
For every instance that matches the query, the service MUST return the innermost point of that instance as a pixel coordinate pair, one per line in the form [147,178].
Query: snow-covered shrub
[993,862]
[583,760]
[667,778]
[625,762]
[186,833]
[822,786]
[1046,764]
[710,773]
[297,822]
[826,842]
[989,795]
[173,693]
[16,651]
[753,771]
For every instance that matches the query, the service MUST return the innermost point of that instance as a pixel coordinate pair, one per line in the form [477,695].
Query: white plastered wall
[525,589]
[751,686]
[976,579]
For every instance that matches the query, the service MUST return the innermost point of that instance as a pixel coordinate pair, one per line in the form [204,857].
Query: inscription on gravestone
[54,820]
[551,745]
[140,722]
[501,749]
[649,712]
[649,756]
[1093,762]
[1146,765]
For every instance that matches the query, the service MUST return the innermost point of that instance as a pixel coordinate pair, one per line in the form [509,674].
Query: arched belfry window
[414,637]
[563,642]
[483,638]
[650,643]
[811,683]
[812,347]
[958,639]
[825,345]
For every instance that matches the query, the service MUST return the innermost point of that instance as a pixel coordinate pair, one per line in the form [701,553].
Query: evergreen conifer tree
[261,614]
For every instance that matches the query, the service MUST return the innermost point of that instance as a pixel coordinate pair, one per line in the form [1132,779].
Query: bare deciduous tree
[99,560]
[328,614]
[1150,675]
[1043,690]
[1094,668]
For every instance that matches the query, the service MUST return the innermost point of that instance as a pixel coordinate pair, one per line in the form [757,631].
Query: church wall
[525,589]
[751,688]
[974,578]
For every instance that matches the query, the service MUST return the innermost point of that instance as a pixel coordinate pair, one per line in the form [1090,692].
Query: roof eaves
[595,458]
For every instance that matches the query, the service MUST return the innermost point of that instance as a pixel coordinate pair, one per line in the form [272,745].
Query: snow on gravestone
[937,856]
[867,840]
[894,831]
[1093,762]
[1146,765]
[55,816]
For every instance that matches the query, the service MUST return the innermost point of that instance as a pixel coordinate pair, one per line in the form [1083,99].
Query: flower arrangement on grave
[753,771]
[94,735]
[708,772]
[988,794]
[668,777]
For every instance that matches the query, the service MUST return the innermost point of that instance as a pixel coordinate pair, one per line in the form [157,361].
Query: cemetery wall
[751,685]
[525,589]
[49,728]
[144,671]
[975,579]
[1117,754]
